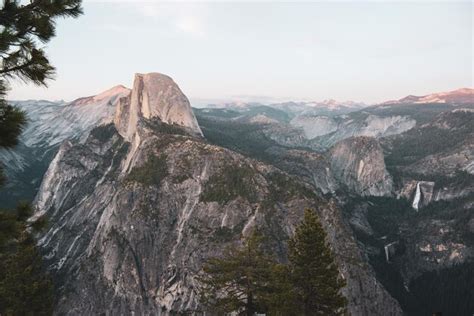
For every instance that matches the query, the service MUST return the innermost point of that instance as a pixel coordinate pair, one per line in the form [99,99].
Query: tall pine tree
[240,280]
[313,271]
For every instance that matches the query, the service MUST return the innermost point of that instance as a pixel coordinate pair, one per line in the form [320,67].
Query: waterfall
[417,198]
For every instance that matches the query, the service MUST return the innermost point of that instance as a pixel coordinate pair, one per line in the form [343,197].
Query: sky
[264,51]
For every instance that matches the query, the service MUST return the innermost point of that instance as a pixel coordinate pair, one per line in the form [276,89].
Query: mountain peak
[108,96]
[116,90]
[154,95]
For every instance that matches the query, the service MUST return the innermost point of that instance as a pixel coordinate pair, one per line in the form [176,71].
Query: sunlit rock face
[137,208]
[49,124]
[154,95]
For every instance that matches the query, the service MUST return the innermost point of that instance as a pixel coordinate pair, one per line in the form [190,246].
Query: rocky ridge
[138,206]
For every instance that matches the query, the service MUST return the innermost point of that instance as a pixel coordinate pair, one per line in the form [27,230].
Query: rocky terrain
[138,206]
[139,188]
[49,124]
[412,211]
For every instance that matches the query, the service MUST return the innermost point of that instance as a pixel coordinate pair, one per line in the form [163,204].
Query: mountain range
[140,188]
[459,96]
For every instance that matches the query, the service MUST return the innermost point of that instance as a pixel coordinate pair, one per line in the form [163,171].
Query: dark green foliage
[460,179]
[151,173]
[384,214]
[246,280]
[8,228]
[422,113]
[314,273]
[281,298]
[25,288]
[232,182]
[248,139]
[12,123]
[449,291]
[239,280]
[446,290]
[284,187]
[223,234]
[422,141]
[244,114]
[104,133]
[159,127]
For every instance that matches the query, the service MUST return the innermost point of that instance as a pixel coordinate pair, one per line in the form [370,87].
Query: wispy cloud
[188,18]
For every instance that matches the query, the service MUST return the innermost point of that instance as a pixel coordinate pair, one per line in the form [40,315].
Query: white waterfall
[417,198]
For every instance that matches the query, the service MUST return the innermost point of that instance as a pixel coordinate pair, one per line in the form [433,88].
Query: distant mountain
[49,124]
[460,96]
[294,107]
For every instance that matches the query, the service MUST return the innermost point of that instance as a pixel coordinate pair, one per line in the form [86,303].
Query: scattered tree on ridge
[246,280]
[239,280]
[314,273]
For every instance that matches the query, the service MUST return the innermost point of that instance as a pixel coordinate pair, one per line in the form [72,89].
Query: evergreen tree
[239,281]
[281,298]
[24,287]
[313,271]
[23,28]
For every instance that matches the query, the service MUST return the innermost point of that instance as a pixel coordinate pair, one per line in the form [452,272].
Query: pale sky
[361,51]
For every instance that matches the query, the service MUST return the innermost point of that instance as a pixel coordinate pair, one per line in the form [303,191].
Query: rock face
[49,124]
[154,95]
[370,125]
[358,163]
[133,215]
[314,126]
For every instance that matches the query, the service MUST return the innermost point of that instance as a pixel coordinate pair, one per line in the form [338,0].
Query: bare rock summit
[154,95]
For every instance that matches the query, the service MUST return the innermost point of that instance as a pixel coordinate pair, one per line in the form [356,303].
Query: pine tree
[281,298]
[240,280]
[24,287]
[314,273]
[23,28]
[22,278]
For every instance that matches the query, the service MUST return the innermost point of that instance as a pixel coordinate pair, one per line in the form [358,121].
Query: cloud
[187,18]
[191,25]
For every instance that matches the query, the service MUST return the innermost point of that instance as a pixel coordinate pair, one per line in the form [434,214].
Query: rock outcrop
[154,95]
[358,163]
